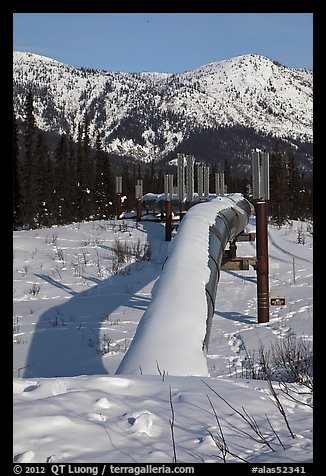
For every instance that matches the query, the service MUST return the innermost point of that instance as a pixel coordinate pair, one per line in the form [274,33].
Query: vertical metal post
[190,179]
[260,175]
[233,249]
[260,187]
[206,181]
[168,192]
[168,220]
[118,194]
[118,205]
[181,180]
[200,189]
[220,187]
[138,209]
[139,196]
[262,261]
[293,268]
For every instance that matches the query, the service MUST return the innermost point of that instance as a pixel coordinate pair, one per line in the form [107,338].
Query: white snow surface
[74,319]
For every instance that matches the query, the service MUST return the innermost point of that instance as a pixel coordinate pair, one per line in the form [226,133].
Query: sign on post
[277,296]
[278,301]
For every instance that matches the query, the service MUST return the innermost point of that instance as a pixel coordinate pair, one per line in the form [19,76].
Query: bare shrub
[288,360]
[219,438]
[147,252]
[78,267]
[103,344]
[15,325]
[172,422]
[99,267]
[301,237]
[275,398]
[59,256]
[255,432]
[52,240]
[57,271]
[25,269]
[129,253]
[85,256]
[292,360]
[34,290]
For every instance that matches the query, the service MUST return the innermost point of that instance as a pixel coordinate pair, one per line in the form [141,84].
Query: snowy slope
[146,115]
[74,319]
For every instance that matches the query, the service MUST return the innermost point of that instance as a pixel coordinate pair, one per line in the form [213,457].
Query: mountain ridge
[149,115]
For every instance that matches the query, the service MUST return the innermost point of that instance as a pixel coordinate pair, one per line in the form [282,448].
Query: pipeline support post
[168,220]
[168,192]
[260,187]
[118,205]
[139,196]
[262,262]
[118,195]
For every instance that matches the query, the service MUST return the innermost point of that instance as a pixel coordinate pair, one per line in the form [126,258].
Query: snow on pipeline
[178,310]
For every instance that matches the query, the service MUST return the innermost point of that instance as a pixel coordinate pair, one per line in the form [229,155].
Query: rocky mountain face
[218,110]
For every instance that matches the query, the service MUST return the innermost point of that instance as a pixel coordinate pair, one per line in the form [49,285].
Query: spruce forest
[60,181]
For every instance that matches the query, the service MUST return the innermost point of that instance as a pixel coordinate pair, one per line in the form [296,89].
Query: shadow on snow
[65,340]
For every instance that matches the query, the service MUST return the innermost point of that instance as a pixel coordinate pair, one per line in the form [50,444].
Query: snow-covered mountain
[147,115]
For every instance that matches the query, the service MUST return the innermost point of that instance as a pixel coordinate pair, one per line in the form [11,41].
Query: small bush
[288,360]
[124,253]
[34,290]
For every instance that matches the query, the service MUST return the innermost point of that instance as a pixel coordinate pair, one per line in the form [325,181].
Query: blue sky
[164,42]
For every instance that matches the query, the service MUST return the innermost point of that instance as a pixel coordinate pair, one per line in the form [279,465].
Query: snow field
[70,407]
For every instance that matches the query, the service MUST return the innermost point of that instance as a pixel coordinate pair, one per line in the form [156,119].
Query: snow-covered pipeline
[172,336]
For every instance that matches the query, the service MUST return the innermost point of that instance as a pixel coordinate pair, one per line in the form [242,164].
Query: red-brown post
[138,209]
[168,220]
[118,195]
[118,205]
[262,261]
[233,249]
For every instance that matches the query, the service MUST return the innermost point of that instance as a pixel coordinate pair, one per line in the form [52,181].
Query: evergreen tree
[62,190]
[17,198]
[278,205]
[295,190]
[104,191]
[71,181]
[28,165]
[80,184]
[84,173]
[139,172]
[227,174]
[160,181]
[128,188]
[43,183]
[88,170]
[308,198]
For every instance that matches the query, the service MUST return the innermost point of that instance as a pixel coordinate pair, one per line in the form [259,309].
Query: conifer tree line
[70,183]
[73,181]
